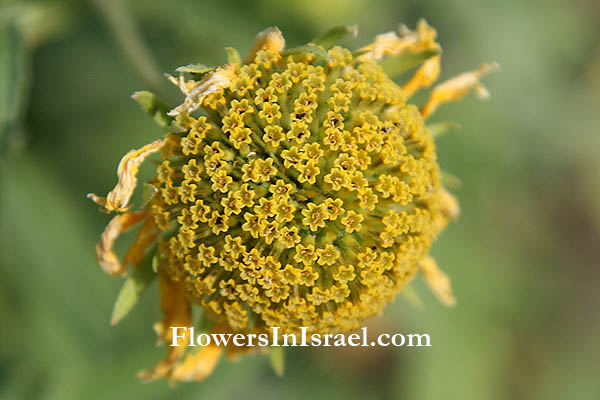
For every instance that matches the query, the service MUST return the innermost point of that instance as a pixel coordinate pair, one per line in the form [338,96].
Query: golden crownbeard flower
[297,188]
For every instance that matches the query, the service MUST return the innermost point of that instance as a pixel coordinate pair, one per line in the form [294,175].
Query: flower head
[298,188]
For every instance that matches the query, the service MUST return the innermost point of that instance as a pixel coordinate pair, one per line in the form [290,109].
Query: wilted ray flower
[296,189]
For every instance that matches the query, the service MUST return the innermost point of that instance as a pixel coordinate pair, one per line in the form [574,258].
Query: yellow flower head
[297,188]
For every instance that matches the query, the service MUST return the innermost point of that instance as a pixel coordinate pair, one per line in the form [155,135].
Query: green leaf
[137,281]
[195,68]
[438,129]
[397,65]
[148,192]
[233,55]
[277,359]
[154,106]
[308,48]
[334,35]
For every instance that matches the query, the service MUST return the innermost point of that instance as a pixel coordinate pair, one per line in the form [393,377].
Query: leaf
[438,129]
[277,359]
[148,192]
[397,65]
[233,55]
[308,48]
[154,106]
[195,68]
[137,282]
[334,35]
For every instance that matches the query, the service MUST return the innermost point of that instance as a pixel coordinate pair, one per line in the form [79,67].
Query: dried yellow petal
[199,365]
[177,312]
[450,209]
[458,87]
[450,206]
[390,44]
[437,280]
[269,39]
[105,255]
[424,77]
[146,237]
[118,198]
[196,91]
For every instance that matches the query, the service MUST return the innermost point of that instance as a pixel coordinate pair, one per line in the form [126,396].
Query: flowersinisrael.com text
[302,339]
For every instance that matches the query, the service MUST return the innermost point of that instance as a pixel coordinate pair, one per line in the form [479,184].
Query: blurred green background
[524,257]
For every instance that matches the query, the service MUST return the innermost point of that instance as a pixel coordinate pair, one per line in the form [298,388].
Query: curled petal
[390,44]
[385,44]
[425,76]
[107,258]
[197,366]
[458,87]
[118,198]
[177,312]
[146,236]
[195,91]
[450,209]
[270,38]
[175,307]
[437,280]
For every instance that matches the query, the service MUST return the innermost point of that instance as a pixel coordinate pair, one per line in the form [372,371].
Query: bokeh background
[524,257]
